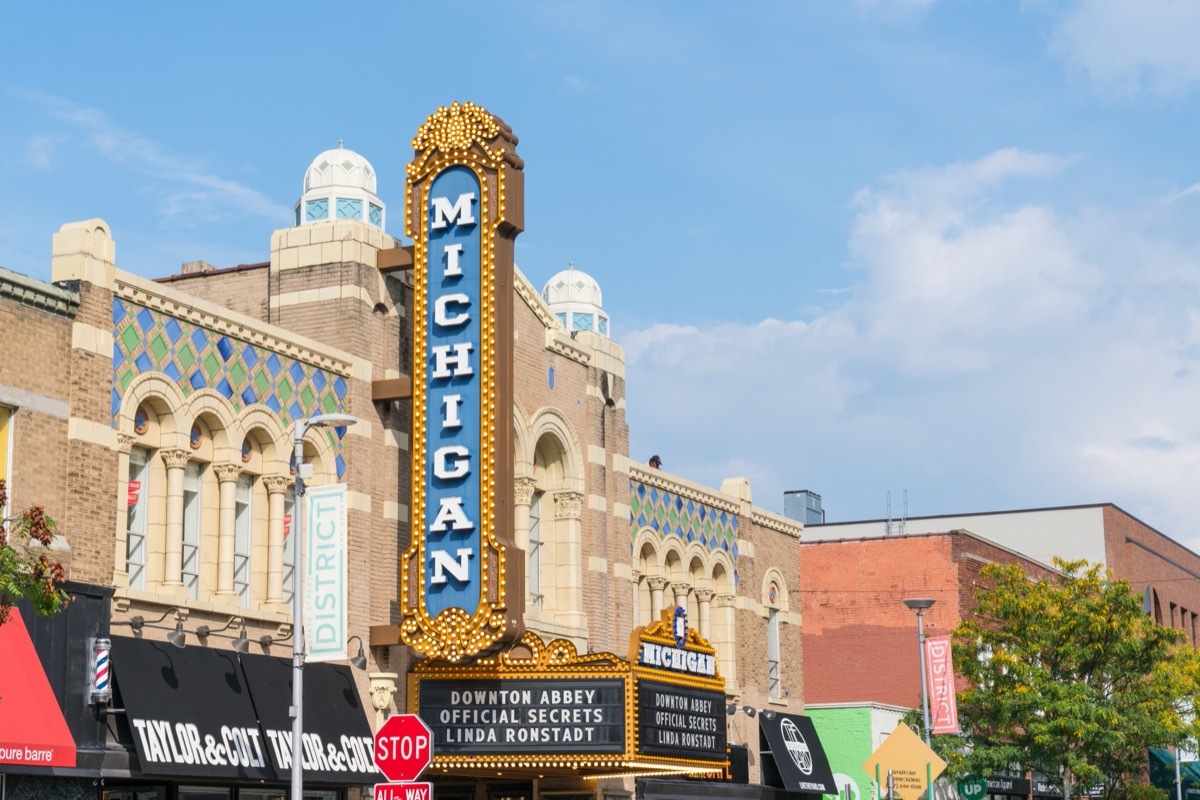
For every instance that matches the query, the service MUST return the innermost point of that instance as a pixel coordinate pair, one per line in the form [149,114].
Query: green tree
[1070,678]
[28,572]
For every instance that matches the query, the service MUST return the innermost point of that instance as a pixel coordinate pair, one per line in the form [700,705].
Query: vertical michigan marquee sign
[464,200]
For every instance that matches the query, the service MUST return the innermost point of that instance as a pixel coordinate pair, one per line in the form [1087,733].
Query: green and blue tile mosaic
[692,521]
[194,357]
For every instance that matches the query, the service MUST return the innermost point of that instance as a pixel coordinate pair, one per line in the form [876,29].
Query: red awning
[32,729]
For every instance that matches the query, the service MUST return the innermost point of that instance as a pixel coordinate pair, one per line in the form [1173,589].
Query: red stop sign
[403,747]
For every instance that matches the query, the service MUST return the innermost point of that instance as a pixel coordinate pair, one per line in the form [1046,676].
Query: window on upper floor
[289,545]
[192,486]
[137,505]
[242,528]
[534,574]
[773,663]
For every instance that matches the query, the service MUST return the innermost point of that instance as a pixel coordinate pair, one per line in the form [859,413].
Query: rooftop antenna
[895,527]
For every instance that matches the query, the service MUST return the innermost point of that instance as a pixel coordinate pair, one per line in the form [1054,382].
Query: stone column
[523,489]
[277,486]
[657,585]
[568,558]
[680,590]
[725,636]
[383,687]
[703,599]
[176,461]
[227,478]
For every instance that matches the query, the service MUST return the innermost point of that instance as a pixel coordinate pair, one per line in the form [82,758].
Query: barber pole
[101,665]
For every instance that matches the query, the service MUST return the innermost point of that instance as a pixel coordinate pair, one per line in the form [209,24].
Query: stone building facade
[161,441]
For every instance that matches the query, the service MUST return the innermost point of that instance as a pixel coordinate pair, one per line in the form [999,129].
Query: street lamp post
[920,605]
[298,649]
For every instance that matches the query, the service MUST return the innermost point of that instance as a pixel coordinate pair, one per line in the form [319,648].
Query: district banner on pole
[939,677]
[325,590]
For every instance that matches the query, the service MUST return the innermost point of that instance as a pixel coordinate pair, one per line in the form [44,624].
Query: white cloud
[1129,47]
[41,150]
[993,354]
[186,189]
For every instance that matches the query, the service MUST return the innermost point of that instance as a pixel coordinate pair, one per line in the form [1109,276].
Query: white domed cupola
[575,298]
[340,184]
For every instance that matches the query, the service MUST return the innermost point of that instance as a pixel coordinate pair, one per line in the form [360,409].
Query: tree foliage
[1070,678]
[28,572]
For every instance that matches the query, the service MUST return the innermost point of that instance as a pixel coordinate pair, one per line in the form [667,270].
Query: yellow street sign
[911,761]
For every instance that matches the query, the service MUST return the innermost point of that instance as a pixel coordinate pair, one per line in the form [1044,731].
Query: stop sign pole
[403,747]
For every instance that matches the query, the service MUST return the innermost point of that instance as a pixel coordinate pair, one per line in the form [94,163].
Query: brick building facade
[161,442]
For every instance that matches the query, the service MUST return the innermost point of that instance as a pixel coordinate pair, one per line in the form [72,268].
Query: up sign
[463,211]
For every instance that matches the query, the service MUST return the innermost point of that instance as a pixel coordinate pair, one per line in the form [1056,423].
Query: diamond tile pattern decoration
[668,513]
[195,358]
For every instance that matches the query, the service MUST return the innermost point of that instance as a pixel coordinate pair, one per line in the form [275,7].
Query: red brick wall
[860,640]
[1144,557]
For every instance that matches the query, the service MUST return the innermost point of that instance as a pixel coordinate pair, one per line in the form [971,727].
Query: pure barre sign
[463,213]
[534,715]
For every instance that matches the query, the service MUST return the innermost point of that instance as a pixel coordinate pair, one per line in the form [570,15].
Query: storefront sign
[189,711]
[1043,788]
[457,568]
[212,714]
[972,787]
[1003,784]
[679,722]
[525,716]
[325,590]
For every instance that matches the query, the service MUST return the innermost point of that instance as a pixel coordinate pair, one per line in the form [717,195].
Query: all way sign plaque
[404,791]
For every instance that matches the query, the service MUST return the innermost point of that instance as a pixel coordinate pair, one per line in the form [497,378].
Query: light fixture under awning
[33,731]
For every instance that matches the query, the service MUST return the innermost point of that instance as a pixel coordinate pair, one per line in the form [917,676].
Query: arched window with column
[775,604]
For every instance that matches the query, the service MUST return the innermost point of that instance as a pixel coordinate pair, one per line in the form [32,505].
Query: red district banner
[939,678]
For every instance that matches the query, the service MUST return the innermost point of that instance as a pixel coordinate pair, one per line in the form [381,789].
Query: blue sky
[931,247]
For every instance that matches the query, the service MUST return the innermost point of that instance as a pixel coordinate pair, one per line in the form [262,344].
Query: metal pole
[924,688]
[297,709]
[298,652]
[1178,782]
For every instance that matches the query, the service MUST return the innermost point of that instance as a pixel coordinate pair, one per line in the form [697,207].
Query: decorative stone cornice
[775,522]
[46,297]
[725,600]
[158,297]
[660,480]
[227,473]
[175,459]
[568,505]
[523,489]
[527,292]
[125,443]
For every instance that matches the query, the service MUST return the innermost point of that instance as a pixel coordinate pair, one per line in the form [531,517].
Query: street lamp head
[323,421]
[919,604]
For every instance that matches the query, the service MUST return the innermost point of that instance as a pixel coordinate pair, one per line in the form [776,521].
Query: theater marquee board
[681,695]
[544,707]
[463,209]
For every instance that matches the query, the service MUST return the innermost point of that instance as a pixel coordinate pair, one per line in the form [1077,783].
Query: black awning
[189,711]
[666,789]
[338,742]
[792,756]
